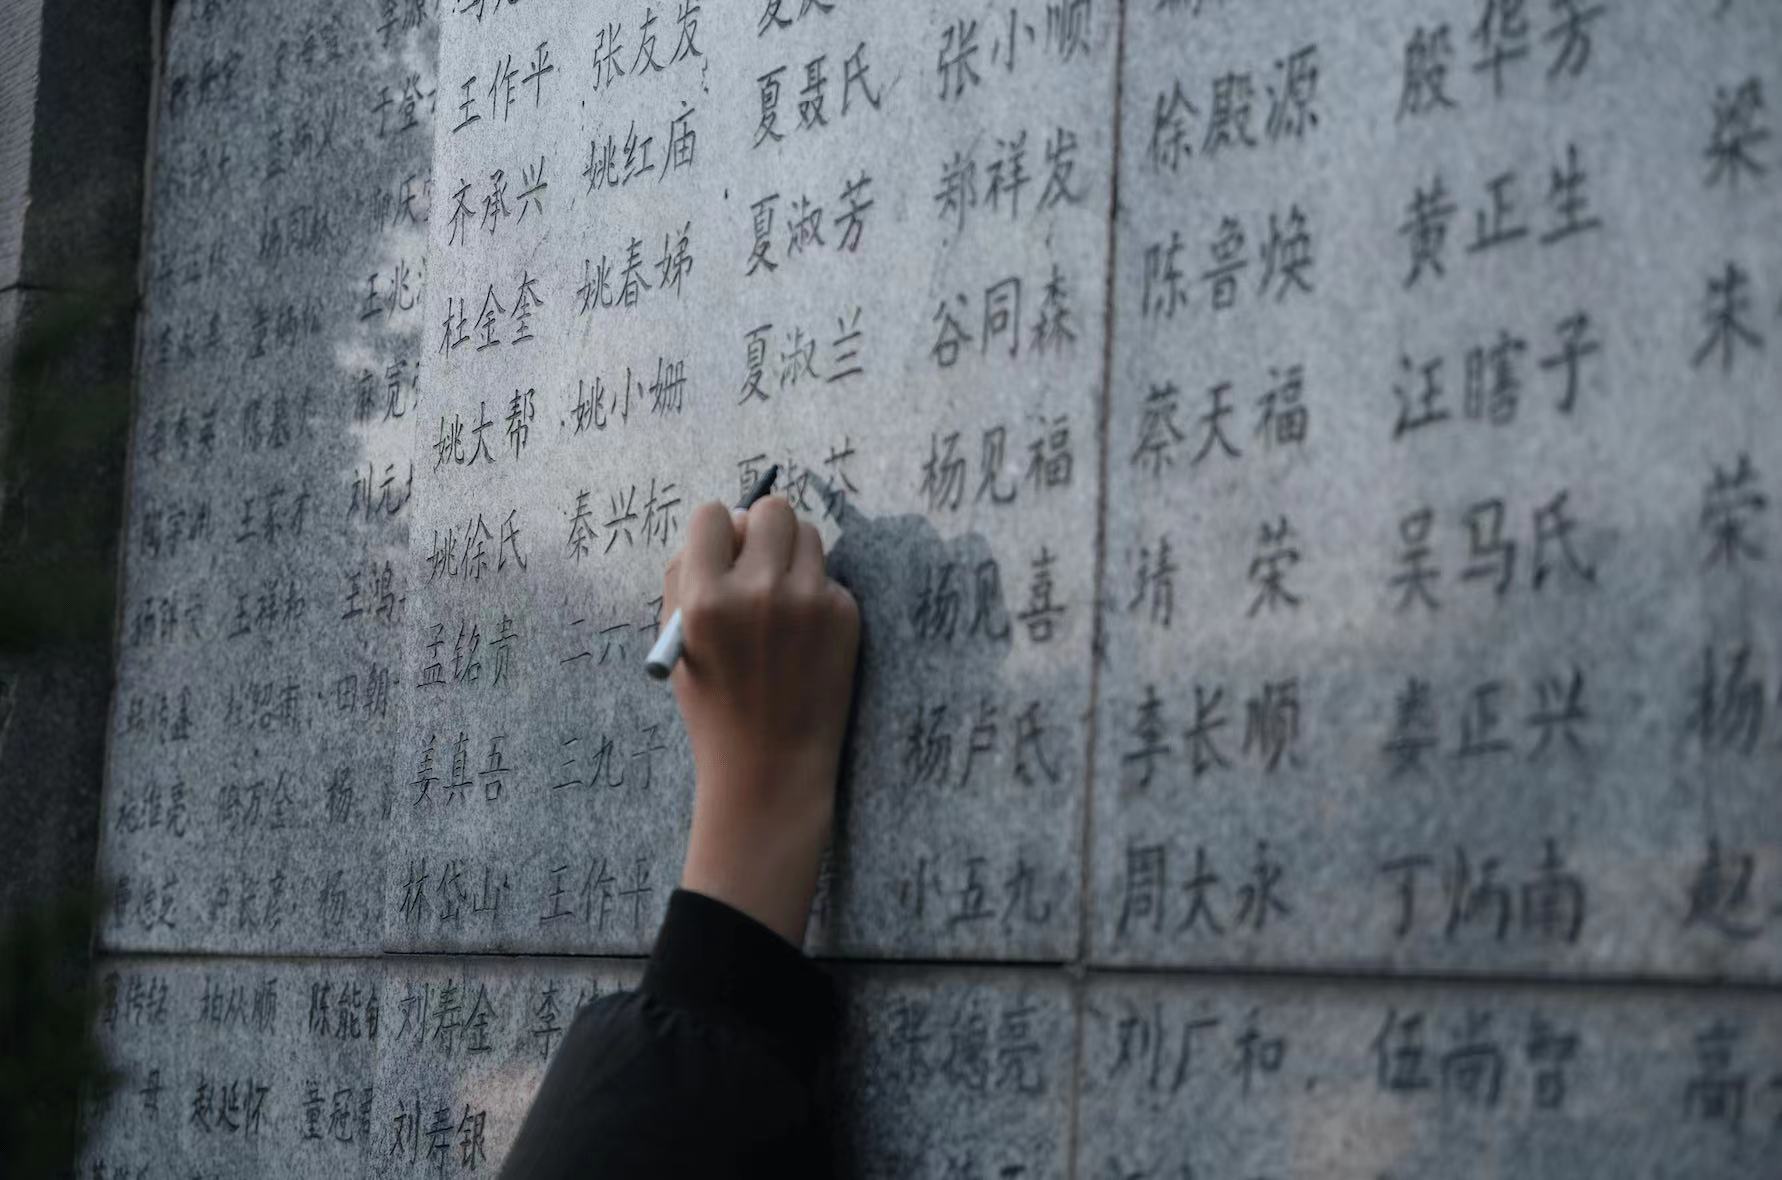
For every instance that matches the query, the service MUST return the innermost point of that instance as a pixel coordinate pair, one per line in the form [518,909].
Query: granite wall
[1307,476]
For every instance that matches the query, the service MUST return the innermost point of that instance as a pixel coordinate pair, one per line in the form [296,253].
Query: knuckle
[771,506]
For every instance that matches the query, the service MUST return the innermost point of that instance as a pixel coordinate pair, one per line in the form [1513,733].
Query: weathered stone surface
[426,1065]
[1244,1077]
[1495,701]
[268,1067]
[465,1050]
[238,1067]
[263,584]
[955,1072]
[354,1067]
[1419,497]
[742,258]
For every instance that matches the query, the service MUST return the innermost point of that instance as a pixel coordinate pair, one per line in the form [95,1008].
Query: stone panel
[263,582]
[230,1067]
[1441,428]
[669,248]
[1244,1077]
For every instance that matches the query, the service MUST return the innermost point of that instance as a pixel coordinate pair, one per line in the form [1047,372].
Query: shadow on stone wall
[52,1060]
[63,426]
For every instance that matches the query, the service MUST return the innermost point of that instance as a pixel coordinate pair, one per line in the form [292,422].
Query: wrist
[761,861]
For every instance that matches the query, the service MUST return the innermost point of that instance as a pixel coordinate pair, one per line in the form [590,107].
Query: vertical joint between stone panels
[1097,641]
[1103,410]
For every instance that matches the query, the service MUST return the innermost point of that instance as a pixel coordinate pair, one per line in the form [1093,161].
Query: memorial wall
[1307,475]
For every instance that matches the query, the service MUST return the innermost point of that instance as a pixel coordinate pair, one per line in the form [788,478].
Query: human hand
[765,683]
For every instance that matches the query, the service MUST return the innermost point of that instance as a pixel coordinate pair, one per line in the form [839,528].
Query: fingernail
[739,515]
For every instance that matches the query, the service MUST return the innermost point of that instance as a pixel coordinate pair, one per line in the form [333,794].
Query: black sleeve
[708,1069]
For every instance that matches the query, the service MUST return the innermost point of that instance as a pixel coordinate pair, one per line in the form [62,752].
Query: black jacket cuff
[713,959]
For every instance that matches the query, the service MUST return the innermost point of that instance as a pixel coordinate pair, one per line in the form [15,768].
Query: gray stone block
[263,581]
[269,1067]
[1421,653]
[1416,486]
[955,1072]
[465,1050]
[354,1067]
[238,1067]
[405,1066]
[895,291]
[1242,1077]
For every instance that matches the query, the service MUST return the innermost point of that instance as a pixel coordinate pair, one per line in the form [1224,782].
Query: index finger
[710,549]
